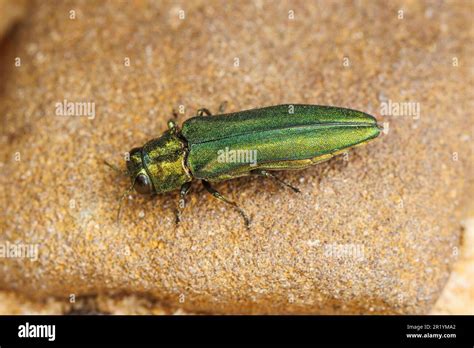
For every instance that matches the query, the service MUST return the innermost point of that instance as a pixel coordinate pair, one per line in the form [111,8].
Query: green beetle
[252,142]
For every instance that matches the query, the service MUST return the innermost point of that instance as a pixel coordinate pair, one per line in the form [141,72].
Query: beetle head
[141,180]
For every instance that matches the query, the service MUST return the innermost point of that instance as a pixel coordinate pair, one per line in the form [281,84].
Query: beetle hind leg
[217,195]
[272,176]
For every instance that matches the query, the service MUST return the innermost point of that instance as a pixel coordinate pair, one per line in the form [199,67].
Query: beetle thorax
[163,160]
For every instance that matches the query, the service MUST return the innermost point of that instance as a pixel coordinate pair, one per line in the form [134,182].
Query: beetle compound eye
[143,184]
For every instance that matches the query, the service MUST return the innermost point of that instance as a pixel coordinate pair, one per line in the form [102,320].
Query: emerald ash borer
[213,148]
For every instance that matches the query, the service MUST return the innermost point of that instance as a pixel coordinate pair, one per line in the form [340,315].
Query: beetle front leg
[270,175]
[182,200]
[175,115]
[172,126]
[217,195]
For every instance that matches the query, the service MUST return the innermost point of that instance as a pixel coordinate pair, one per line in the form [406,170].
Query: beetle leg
[222,107]
[117,169]
[216,194]
[175,115]
[182,200]
[172,125]
[270,175]
[203,111]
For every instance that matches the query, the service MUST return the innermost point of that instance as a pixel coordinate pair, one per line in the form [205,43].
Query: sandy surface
[457,296]
[396,202]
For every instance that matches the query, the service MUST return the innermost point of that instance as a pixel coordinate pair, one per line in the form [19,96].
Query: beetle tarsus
[274,177]
[222,107]
[217,195]
[206,111]
[203,111]
[175,114]
[182,200]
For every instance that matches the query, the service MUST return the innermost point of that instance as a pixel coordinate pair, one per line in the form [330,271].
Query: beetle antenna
[125,194]
[114,167]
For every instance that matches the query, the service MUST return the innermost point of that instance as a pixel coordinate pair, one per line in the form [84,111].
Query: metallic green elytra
[252,142]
